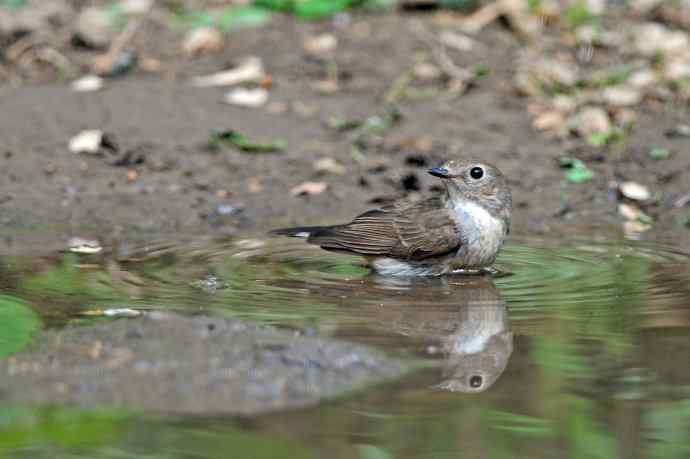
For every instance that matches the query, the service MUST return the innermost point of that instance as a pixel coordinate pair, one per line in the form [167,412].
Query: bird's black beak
[440,172]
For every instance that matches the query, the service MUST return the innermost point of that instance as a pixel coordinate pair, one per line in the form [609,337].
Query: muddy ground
[180,184]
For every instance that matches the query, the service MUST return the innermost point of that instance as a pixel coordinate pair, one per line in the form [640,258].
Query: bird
[462,229]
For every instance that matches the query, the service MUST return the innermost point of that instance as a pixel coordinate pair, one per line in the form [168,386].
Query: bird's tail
[304,232]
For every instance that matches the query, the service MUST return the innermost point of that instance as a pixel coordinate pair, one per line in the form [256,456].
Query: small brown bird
[462,229]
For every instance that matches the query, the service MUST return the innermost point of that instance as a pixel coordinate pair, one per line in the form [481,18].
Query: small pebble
[88,83]
[88,141]
[635,191]
[250,98]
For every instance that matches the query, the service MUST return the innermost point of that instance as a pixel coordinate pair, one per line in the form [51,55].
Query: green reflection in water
[112,433]
[45,430]
[18,324]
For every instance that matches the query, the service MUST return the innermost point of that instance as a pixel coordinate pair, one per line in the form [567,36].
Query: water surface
[577,348]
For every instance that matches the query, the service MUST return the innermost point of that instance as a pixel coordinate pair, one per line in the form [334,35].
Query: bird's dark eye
[476,172]
[475,381]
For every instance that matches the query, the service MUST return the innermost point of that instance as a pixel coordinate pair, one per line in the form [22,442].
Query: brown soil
[166,124]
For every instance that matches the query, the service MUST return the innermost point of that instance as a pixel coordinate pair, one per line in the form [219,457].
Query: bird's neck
[475,219]
[459,202]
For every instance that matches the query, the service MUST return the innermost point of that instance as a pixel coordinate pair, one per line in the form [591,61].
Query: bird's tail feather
[305,232]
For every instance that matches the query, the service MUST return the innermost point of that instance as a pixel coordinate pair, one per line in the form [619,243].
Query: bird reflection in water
[463,317]
[468,323]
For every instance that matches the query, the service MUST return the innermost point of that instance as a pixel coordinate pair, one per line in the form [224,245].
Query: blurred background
[153,117]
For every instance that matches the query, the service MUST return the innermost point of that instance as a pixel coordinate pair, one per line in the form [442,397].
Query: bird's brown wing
[414,232]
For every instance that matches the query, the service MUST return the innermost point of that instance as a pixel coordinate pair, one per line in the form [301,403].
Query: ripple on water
[288,282]
[533,272]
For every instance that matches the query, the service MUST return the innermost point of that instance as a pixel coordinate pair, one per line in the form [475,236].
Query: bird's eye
[476,172]
[475,381]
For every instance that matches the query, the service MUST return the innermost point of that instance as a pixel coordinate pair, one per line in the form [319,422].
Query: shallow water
[575,348]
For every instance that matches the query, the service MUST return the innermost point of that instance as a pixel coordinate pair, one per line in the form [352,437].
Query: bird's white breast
[484,233]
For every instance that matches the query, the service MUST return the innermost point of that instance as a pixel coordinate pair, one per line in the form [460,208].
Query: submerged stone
[169,363]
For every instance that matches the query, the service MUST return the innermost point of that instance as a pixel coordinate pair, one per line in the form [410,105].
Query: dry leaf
[88,83]
[88,141]
[329,166]
[254,185]
[251,70]
[247,97]
[621,96]
[204,40]
[309,188]
[634,191]
[592,120]
[321,44]
[548,121]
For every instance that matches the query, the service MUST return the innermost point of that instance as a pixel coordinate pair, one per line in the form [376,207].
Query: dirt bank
[165,180]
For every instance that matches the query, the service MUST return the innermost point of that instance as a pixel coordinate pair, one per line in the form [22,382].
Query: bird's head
[478,182]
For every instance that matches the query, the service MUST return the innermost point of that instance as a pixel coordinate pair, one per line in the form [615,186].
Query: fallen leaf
[309,188]
[634,191]
[247,97]
[577,170]
[254,185]
[88,83]
[660,153]
[592,120]
[329,166]
[321,44]
[601,139]
[548,121]
[425,71]
[88,141]
[240,141]
[203,40]
[579,175]
[621,96]
[251,70]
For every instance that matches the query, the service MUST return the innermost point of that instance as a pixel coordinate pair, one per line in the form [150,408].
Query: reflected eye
[476,172]
[475,381]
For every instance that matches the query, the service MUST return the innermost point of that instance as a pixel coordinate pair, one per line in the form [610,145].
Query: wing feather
[414,231]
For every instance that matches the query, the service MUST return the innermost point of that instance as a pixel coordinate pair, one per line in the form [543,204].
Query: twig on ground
[30,49]
[513,10]
[438,50]
[104,63]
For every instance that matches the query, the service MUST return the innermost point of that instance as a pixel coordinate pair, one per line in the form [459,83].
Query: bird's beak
[440,172]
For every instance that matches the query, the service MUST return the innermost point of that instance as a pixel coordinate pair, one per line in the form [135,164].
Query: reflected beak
[440,172]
